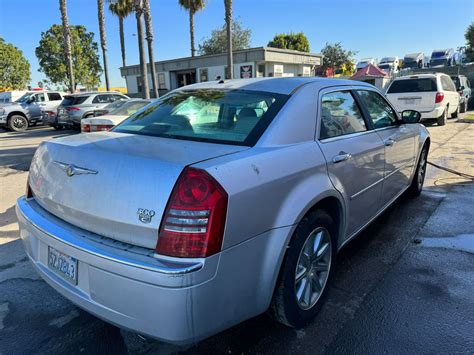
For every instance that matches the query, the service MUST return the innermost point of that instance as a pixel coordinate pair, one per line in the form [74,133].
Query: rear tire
[304,276]
[418,180]
[18,123]
[455,113]
[443,118]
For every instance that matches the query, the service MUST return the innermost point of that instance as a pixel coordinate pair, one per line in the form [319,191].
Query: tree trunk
[67,45]
[141,49]
[122,41]
[103,40]
[228,23]
[149,38]
[191,32]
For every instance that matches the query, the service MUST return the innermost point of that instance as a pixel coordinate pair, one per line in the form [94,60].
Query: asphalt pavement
[405,285]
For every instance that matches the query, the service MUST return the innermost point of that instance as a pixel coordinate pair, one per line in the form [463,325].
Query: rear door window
[340,115]
[54,96]
[39,97]
[380,112]
[103,99]
[413,85]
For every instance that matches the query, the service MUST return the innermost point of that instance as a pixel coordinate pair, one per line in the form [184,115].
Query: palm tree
[121,9]
[67,44]
[149,38]
[103,41]
[228,24]
[141,49]
[192,6]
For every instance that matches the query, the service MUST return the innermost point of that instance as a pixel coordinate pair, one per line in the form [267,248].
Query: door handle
[342,156]
[389,142]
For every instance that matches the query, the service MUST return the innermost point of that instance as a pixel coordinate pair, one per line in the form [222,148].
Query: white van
[433,95]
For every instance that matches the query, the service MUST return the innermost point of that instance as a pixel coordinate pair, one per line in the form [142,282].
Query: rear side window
[340,115]
[447,83]
[413,85]
[103,99]
[380,112]
[54,96]
[208,115]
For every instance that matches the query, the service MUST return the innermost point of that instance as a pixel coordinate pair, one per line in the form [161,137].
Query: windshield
[217,116]
[438,55]
[412,85]
[25,97]
[128,108]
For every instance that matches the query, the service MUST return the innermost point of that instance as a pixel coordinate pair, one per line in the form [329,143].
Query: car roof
[419,76]
[284,86]
[95,93]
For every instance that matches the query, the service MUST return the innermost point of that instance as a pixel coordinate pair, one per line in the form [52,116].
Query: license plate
[410,101]
[63,265]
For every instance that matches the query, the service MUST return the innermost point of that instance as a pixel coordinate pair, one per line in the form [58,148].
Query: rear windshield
[412,85]
[73,100]
[217,116]
[438,54]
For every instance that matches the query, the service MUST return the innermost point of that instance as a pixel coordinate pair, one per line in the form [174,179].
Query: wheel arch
[19,113]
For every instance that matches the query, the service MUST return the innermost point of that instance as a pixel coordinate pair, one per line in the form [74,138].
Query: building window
[139,84]
[261,70]
[161,81]
[203,75]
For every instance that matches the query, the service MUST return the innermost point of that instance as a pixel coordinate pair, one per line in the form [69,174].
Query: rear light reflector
[194,220]
[72,108]
[86,127]
[439,97]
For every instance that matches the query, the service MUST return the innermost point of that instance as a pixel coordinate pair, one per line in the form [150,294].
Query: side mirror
[411,116]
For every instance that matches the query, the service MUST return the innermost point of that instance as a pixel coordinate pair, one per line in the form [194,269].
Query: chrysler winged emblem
[71,169]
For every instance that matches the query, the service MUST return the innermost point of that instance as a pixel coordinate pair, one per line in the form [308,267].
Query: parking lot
[404,286]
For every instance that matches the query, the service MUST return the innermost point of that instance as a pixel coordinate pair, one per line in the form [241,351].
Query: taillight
[102,127]
[194,220]
[72,108]
[439,97]
[85,127]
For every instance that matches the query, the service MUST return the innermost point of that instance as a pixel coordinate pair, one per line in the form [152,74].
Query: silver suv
[78,106]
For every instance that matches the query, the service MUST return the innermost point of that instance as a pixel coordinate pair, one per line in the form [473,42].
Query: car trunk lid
[112,184]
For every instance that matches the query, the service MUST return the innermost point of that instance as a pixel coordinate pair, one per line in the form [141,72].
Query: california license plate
[63,265]
[409,101]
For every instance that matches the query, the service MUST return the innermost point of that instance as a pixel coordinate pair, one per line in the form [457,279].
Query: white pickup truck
[28,110]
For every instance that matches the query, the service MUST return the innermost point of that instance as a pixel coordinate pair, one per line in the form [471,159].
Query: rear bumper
[177,301]
[435,113]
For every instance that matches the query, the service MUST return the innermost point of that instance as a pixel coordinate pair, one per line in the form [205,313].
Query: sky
[373,28]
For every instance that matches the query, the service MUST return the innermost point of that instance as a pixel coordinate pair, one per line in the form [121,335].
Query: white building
[248,63]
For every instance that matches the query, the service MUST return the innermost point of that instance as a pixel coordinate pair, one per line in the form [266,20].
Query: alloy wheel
[312,269]
[19,122]
[422,169]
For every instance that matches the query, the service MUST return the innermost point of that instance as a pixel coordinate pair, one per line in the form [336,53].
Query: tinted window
[220,116]
[54,96]
[73,100]
[128,108]
[413,85]
[103,99]
[40,98]
[456,81]
[380,112]
[340,115]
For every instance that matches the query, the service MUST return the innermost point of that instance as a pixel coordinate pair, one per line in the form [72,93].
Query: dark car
[463,86]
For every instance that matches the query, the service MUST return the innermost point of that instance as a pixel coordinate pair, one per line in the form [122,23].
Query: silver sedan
[218,202]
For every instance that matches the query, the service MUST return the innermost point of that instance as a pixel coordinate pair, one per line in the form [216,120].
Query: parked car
[28,110]
[442,57]
[112,106]
[364,62]
[114,117]
[78,106]
[433,95]
[463,86]
[389,64]
[218,202]
[414,61]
